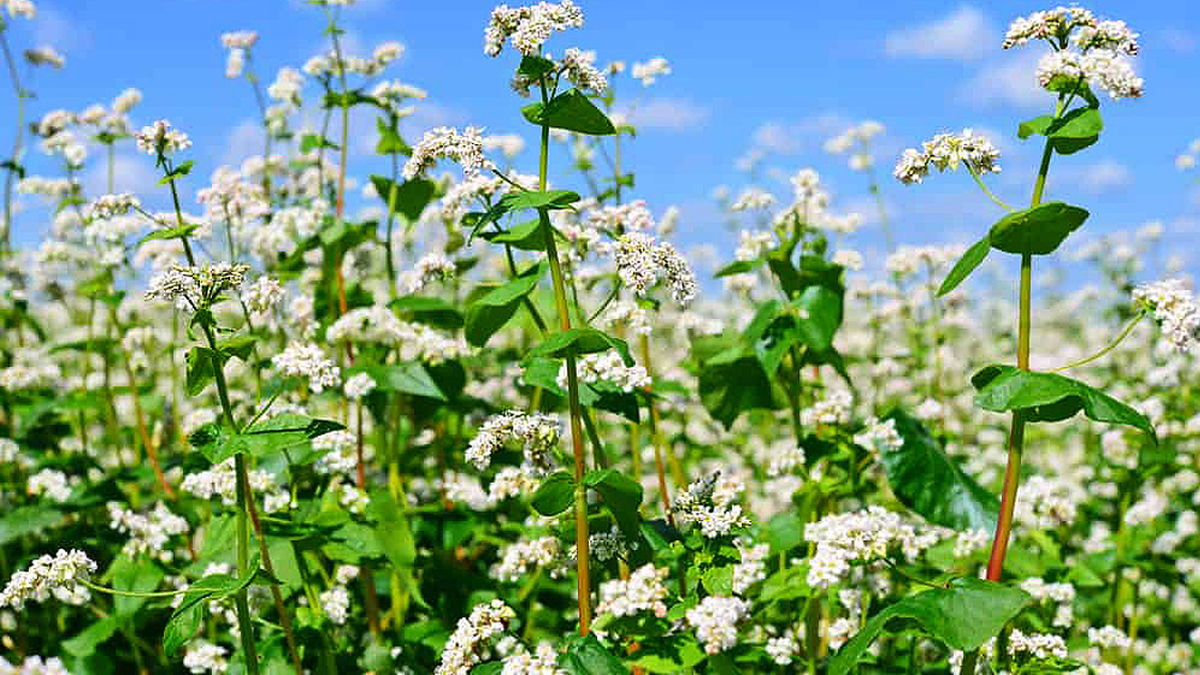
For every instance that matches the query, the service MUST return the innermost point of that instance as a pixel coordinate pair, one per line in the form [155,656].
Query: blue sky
[780,76]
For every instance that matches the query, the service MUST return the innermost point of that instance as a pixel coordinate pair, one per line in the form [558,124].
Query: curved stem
[131,594]
[983,186]
[1111,346]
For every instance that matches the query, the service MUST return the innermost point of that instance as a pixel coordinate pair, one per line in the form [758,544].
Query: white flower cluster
[358,386]
[160,138]
[640,261]
[751,569]
[58,575]
[631,216]
[1174,309]
[783,648]
[712,504]
[752,199]
[635,318]
[416,341]
[45,55]
[1036,645]
[651,70]
[1047,503]
[528,28]
[220,480]
[50,482]
[715,621]
[19,8]
[1187,160]
[880,436]
[831,410]
[203,656]
[604,546]
[195,287]
[431,267]
[107,206]
[308,361]
[1062,593]
[446,142]
[1103,68]
[331,63]
[908,260]
[1109,637]
[1098,54]
[946,152]
[31,368]
[606,367]
[578,65]
[520,556]
[544,661]
[643,591]
[537,433]
[335,602]
[148,533]
[857,139]
[263,295]
[970,541]
[859,536]
[753,244]
[472,635]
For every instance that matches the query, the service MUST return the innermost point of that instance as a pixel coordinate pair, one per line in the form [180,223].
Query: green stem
[564,316]
[16,154]
[983,186]
[1113,345]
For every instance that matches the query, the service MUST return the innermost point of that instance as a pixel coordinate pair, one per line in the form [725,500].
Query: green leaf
[217,443]
[586,656]
[729,388]
[675,654]
[390,142]
[718,580]
[170,233]
[931,483]
[820,315]
[139,576]
[199,369]
[535,67]
[785,531]
[1068,134]
[85,643]
[282,432]
[963,616]
[1049,397]
[310,142]
[526,236]
[488,314]
[403,378]
[25,520]
[580,341]
[185,621]
[428,310]
[739,267]
[555,494]
[965,265]
[412,196]
[1038,230]
[181,170]
[392,531]
[622,496]
[531,199]
[241,347]
[573,111]
[346,99]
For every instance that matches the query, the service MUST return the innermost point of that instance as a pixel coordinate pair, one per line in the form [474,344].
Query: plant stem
[1113,345]
[564,318]
[5,243]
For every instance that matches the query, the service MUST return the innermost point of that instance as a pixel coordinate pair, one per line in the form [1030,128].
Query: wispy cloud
[668,114]
[790,138]
[1009,81]
[52,27]
[964,34]
[1104,176]
[131,173]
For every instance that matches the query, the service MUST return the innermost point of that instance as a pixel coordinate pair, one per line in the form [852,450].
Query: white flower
[446,142]
[148,533]
[537,433]
[643,591]
[263,295]
[1174,309]
[518,558]
[579,69]
[307,360]
[335,602]
[242,39]
[640,262]
[160,138]
[19,8]
[711,503]
[528,28]
[432,266]
[946,152]
[203,656]
[358,386]
[57,575]
[471,635]
[108,206]
[606,367]
[715,621]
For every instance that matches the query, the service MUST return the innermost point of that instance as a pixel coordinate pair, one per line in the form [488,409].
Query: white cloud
[131,173]
[670,114]
[785,138]
[965,34]
[245,139]
[1107,175]
[1010,81]
[52,27]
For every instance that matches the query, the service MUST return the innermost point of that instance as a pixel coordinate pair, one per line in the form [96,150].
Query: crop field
[389,394]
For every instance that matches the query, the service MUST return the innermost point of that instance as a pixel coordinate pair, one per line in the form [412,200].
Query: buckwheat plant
[1085,54]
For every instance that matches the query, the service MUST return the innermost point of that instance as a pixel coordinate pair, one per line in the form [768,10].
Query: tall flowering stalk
[1085,53]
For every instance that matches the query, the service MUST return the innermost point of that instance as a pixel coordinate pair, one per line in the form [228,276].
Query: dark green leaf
[1038,230]
[580,341]
[310,142]
[570,110]
[170,233]
[138,576]
[428,310]
[586,656]
[391,529]
[404,378]
[488,314]
[678,653]
[411,198]
[526,236]
[1049,397]
[282,432]
[739,267]
[622,496]
[820,311]
[535,67]
[217,443]
[85,643]
[555,494]
[199,369]
[931,483]
[241,346]
[729,388]
[963,616]
[965,265]
[25,520]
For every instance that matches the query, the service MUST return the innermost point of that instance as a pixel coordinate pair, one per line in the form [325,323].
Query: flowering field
[504,427]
